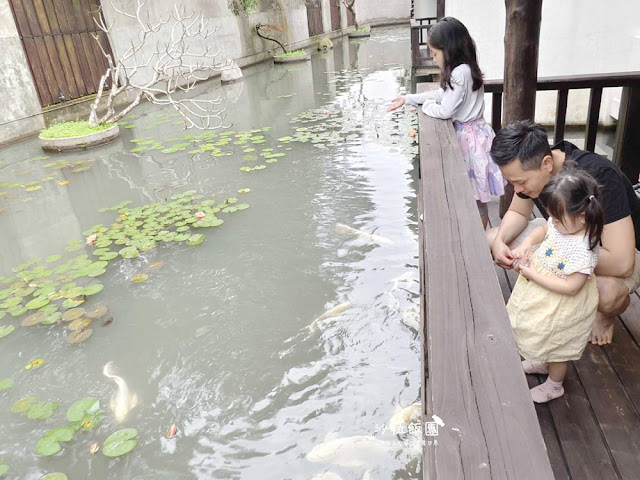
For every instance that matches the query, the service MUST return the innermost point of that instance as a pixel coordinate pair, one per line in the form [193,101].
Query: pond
[217,334]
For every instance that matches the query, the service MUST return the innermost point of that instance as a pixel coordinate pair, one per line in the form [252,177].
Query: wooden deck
[593,431]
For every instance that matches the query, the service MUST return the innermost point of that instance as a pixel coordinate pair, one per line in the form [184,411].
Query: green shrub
[72,129]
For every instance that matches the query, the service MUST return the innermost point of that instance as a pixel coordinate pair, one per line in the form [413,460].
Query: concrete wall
[576,37]
[382,11]
[16,83]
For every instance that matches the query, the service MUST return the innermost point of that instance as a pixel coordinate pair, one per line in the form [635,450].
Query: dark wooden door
[335,14]
[314,17]
[65,60]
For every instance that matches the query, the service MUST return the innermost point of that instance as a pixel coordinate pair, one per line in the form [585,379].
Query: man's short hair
[522,140]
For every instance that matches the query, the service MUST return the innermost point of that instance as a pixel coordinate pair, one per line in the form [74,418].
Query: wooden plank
[475,379]
[624,356]
[561,115]
[595,99]
[617,418]
[585,451]
[86,39]
[92,11]
[496,111]
[31,52]
[627,146]
[61,49]
[41,49]
[550,434]
[70,46]
[75,26]
[571,82]
[631,318]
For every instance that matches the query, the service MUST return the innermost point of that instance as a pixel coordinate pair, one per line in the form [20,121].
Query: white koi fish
[357,451]
[371,237]
[122,402]
[405,416]
[334,312]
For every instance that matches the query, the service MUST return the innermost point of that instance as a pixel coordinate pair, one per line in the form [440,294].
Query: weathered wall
[20,98]
[576,37]
[382,11]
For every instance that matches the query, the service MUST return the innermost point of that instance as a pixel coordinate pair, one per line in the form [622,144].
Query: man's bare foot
[602,330]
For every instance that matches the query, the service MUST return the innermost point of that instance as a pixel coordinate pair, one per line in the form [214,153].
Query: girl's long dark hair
[452,37]
[574,192]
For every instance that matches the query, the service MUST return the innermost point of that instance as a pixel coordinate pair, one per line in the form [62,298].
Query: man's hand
[502,254]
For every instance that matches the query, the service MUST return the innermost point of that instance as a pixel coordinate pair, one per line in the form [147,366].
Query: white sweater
[459,103]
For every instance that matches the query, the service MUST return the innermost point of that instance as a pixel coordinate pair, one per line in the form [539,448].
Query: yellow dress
[549,326]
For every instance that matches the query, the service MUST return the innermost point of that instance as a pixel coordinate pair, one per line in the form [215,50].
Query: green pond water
[217,339]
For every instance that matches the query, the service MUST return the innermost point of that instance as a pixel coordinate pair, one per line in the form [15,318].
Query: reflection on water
[217,341]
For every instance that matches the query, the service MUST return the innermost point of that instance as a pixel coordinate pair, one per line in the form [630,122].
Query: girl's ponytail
[594,217]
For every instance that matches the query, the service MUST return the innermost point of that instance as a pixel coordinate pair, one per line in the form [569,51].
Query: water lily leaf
[260,167]
[72,303]
[86,406]
[73,314]
[53,258]
[11,302]
[23,405]
[97,311]
[52,318]
[79,324]
[40,411]
[6,384]
[73,292]
[37,302]
[196,239]
[34,364]
[17,311]
[129,252]
[34,188]
[140,278]
[105,242]
[4,468]
[271,160]
[34,319]
[44,292]
[49,444]
[4,331]
[93,289]
[244,190]
[96,273]
[108,256]
[120,443]
[79,336]
[5,293]
[56,475]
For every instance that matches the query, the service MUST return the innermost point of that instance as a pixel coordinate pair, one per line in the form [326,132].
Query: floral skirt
[475,139]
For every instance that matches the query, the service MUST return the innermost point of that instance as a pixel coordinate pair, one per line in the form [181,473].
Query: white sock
[547,391]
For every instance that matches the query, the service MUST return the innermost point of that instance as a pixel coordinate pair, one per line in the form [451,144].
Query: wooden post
[440,9]
[627,148]
[521,38]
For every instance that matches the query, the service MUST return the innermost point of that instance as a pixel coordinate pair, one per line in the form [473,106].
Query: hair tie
[591,197]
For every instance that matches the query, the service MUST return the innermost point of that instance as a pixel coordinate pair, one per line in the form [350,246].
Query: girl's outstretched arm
[430,96]
[451,100]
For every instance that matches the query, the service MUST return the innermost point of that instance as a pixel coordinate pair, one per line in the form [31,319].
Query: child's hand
[521,252]
[526,269]
[397,103]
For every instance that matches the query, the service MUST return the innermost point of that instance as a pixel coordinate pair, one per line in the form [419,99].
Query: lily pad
[120,443]
[73,314]
[86,406]
[97,311]
[49,444]
[4,468]
[140,278]
[37,302]
[108,256]
[6,330]
[17,311]
[79,324]
[53,258]
[93,289]
[196,239]
[72,303]
[55,475]
[6,384]
[40,411]
[34,319]
[79,336]
[129,252]
[23,405]
[34,364]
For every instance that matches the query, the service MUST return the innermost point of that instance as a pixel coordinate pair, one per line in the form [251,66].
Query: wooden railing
[627,149]
[420,57]
[473,379]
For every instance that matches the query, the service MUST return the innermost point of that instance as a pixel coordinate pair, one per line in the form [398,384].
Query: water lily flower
[172,431]
[200,215]
[413,110]
[412,133]
[92,239]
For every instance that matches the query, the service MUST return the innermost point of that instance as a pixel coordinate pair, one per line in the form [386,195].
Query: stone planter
[294,59]
[67,144]
[360,34]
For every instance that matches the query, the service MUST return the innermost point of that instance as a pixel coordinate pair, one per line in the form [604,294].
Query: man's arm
[513,223]
[617,254]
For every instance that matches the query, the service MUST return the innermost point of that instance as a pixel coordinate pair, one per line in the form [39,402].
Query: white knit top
[459,103]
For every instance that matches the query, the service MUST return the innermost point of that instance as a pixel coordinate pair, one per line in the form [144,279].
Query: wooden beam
[561,115]
[521,39]
[595,98]
[627,148]
[440,9]
[572,82]
[496,111]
